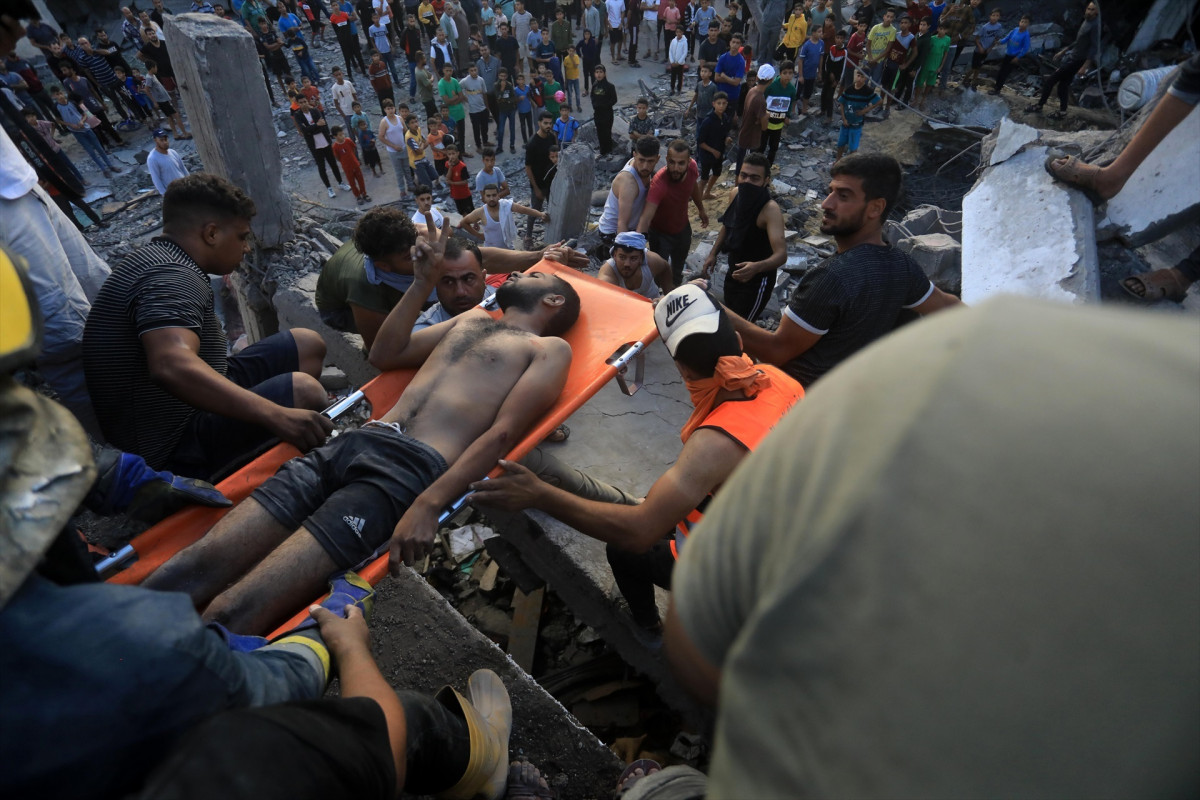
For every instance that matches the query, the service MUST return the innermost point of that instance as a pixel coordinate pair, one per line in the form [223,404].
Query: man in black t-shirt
[154,352]
[855,296]
[604,97]
[538,164]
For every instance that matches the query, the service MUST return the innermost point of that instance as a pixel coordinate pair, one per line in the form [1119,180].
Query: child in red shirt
[854,53]
[434,139]
[312,93]
[459,179]
[344,151]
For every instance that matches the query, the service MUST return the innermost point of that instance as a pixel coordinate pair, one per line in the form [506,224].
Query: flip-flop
[645,765]
[1077,174]
[559,434]
[1152,287]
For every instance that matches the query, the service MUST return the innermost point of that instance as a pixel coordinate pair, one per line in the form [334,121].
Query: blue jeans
[573,86]
[91,143]
[506,119]
[412,80]
[426,174]
[308,68]
[399,161]
[102,680]
[390,59]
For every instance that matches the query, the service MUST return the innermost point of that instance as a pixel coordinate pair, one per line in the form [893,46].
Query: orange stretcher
[614,327]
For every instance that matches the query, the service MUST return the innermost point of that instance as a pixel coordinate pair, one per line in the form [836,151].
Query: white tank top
[393,145]
[499,232]
[649,289]
[612,207]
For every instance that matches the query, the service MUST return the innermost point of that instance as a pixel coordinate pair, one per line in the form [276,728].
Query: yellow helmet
[20,318]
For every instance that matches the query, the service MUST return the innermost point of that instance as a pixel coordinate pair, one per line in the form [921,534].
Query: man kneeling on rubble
[736,403]
[482,383]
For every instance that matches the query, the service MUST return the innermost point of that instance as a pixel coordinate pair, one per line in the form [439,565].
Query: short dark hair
[790,66]
[647,146]
[680,146]
[455,247]
[203,196]
[641,101]
[716,97]
[568,312]
[545,115]
[383,231]
[758,160]
[150,63]
[880,174]
[421,189]
[487,152]
[335,130]
[700,352]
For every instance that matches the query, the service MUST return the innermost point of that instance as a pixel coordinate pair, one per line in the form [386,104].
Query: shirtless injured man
[482,384]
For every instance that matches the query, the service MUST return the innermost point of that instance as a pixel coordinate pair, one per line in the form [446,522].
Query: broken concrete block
[1164,192]
[571,194]
[781,188]
[1024,233]
[333,379]
[216,67]
[978,110]
[921,220]
[1004,142]
[940,256]
[296,306]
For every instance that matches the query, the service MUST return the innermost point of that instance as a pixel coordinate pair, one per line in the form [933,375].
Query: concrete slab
[571,193]
[1023,233]
[421,643]
[1004,142]
[1164,192]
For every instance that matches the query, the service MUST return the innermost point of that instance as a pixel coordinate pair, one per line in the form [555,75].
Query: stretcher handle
[345,404]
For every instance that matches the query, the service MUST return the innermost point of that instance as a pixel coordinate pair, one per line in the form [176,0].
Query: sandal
[1152,287]
[559,434]
[1077,174]
[525,782]
[628,779]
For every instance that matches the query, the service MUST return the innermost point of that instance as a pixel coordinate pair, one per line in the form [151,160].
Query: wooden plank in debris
[488,580]
[527,617]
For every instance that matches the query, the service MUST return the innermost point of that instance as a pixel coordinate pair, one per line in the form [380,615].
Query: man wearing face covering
[752,237]
[736,403]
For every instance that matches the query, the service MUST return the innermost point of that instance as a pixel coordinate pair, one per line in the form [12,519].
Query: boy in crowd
[565,126]
[856,49]
[550,90]
[604,97]
[366,143]
[878,41]
[132,90]
[344,152]
[571,66]
[714,139]
[985,39]
[459,179]
[811,54]
[918,51]
[1017,44]
[780,95]
[524,107]
[831,72]
[417,149]
[677,55]
[381,81]
[304,60]
[162,98]
[897,55]
[495,215]
[705,91]
[72,116]
[313,93]
[641,125]
[357,115]
[855,103]
[344,97]
[939,48]
[450,90]
[435,133]
[475,90]
[424,198]
[560,33]
[491,175]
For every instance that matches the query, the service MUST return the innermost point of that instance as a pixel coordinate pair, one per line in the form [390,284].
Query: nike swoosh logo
[674,315]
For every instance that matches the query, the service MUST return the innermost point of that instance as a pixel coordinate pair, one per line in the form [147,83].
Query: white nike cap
[683,312]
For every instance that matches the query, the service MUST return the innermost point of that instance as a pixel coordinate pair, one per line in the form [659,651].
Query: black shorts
[465,205]
[350,493]
[616,35]
[808,87]
[278,66]
[166,108]
[977,58]
[212,441]
[709,165]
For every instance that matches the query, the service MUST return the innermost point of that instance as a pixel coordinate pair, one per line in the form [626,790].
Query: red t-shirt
[855,47]
[672,199]
[345,154]
[458,172]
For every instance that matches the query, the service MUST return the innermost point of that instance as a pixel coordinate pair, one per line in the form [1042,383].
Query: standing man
[855,296]
[753,131]
[604,98]
[879,40]
[383,45]
[615,10]
[311,123]
[666,213]
[627,196]
[489,70]
[537,164]
[410,45]
[731,70]
[156,358]
[711,49]
[769,28]
[1080,57]
[475,89]
[651,33]
[752,236]
[347,40]
[163,163]
[509,50]
[521,20]
[344,96]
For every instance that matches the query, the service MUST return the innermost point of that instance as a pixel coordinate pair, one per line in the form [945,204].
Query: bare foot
[1097,181]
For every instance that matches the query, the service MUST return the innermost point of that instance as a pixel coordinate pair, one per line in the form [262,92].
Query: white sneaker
[331,192]
[345,187]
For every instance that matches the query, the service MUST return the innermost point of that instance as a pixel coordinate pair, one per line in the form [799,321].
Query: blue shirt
[1018,43]
[287,22]
[733,66]
[565,131]
[348,7]
[854,100]
[523,104]
[935,13]
[810,54]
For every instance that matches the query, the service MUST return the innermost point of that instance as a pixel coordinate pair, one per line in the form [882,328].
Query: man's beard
[518,296]
[843,226]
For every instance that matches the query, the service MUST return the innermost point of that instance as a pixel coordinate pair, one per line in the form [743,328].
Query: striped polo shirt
[158,286]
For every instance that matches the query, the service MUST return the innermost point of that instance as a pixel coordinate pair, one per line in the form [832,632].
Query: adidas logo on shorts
[356,524]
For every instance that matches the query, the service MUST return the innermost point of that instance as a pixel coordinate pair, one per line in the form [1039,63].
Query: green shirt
[938,45]
[548,90]
[343,282]
[779,102]
[448,89]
